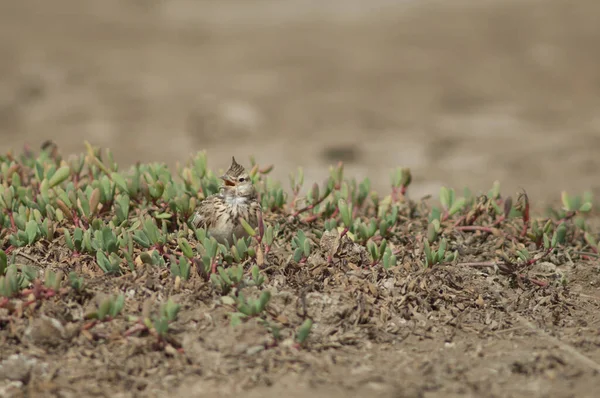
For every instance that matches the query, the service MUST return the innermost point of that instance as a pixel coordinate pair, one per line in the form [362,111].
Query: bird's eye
[241,179]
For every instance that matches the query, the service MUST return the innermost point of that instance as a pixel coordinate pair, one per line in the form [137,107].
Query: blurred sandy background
[463,92]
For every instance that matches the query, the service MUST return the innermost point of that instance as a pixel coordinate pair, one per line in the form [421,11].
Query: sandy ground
[462,92]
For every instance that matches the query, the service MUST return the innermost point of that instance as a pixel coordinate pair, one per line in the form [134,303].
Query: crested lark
[220,213]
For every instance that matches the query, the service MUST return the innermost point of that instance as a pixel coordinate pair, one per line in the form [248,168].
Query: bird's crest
[235,170]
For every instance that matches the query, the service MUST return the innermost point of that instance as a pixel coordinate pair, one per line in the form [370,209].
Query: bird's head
[237,181]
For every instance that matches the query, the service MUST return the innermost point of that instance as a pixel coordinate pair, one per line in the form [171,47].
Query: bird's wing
[204,216]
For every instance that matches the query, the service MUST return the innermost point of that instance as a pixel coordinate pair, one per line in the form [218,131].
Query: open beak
[228,182]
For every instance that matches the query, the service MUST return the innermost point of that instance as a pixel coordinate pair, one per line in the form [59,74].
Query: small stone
[255,349]
[170,350]
[46,331]
[11,389]
[546,267]
[389,284]
[480,301]
[16,368]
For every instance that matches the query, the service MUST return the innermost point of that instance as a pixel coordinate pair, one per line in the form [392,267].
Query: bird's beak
[228,182]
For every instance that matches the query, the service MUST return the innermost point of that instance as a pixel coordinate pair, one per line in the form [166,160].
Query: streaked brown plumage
[220,213]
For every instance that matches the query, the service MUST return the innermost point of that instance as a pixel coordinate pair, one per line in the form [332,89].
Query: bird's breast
[237,203]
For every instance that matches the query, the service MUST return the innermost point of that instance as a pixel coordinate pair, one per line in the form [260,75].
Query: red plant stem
[344,232]
[498,221]
[76,220]
[460,220]
[140,327]
[470,221]
[94,322]
[445,216]
[311,218]
[159,248]
[12,220]
[532,261]
[534,281]
[525,218]
[39,292]
[476,215]
[37,289]
[524,230]
[403,189]
[89,325]
[311,206]
[567,217]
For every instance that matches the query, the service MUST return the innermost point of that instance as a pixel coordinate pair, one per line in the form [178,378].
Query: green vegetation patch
[74,228]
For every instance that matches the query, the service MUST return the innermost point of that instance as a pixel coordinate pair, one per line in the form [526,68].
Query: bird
[219,214]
